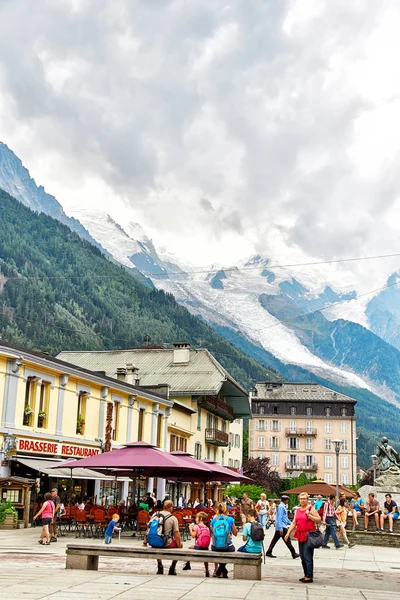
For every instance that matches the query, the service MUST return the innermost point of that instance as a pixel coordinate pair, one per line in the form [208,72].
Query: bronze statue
[387,456]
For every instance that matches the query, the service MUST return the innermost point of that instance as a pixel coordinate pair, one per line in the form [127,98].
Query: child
[110,528]
[201,533]
[251,544]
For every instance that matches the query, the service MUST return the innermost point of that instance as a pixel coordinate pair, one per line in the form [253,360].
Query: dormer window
[344,412]
[328,411]
[309,411]
[293,410]
[275,410]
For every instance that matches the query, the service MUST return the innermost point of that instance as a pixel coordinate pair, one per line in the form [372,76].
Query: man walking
[53,525]
[328,520]
[281,526]
[246,505]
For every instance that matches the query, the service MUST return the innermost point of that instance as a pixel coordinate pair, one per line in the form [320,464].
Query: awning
[43,466]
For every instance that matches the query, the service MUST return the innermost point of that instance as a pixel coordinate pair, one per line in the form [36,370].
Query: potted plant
[41,418]
[8,515]
[28,411]
[80,424]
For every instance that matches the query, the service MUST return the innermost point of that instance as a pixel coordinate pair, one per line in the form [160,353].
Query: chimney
[132,374]
[121,374]
[181,354]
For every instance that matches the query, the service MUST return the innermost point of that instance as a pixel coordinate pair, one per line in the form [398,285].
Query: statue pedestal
[387,482]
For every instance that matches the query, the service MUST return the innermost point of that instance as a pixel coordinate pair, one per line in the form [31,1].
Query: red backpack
[204,538]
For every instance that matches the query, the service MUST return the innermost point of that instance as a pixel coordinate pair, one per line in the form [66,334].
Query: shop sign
[52,448]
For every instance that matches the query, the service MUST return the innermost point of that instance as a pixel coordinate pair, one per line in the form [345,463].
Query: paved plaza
[28,570]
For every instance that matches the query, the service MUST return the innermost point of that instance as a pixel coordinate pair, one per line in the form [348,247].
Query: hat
[284,497]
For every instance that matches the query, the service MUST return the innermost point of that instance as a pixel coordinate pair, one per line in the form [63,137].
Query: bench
[86,557]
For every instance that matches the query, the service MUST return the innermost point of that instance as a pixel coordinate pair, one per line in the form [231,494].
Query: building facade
[207,403]
[295,424]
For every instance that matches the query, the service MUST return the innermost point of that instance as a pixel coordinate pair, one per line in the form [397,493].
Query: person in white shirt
[262,510]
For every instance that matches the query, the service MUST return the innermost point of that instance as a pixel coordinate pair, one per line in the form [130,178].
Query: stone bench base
[373,538]
[86,557]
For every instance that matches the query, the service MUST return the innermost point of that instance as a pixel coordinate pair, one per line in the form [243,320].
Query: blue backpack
[155,536]
[221,534]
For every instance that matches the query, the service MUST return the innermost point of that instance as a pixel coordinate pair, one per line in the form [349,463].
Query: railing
[297,431]
[216,406]
[217,437]
[292,466]
[312,467]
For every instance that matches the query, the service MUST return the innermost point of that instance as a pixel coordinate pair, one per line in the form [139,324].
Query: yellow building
[206,400]
[52,410]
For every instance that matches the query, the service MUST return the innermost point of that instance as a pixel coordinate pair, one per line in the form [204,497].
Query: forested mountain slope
[58,292]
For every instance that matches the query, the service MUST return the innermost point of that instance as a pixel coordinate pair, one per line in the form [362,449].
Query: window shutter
[279,425]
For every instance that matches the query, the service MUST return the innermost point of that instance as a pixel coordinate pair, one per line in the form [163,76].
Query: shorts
[199,548]
[46,521]
[107,539]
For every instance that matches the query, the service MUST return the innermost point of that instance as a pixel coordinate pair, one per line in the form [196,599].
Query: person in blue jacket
[282,523]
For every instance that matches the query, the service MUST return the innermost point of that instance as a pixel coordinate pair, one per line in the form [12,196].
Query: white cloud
[283,116]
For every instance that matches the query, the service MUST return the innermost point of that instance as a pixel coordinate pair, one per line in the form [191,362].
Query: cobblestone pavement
[32,571]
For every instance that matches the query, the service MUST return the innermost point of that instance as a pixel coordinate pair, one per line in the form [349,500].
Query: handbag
[315,539]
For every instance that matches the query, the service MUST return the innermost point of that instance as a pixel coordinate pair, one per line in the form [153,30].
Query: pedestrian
[202,536]
[390,512]
[304,521]
[47,513]
[372,509]
[181,501]
[57,504]
[341,513]
[318,503]
[282,522]
[246,504]
[163,532]
[328,520]
[358,509]
[253,534]
[271,512]
[111,527]
[262,508]
[149,501]
[222,527]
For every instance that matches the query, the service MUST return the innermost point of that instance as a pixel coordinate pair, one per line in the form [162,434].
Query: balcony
[217,437]
[289,466]
[300,432]
[216,406]
[313,467]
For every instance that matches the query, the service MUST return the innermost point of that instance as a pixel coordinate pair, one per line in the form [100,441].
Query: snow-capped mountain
[310,317]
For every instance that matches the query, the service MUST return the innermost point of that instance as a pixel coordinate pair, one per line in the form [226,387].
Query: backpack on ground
[204,537]
[256,532]
[155,536]
[221,534]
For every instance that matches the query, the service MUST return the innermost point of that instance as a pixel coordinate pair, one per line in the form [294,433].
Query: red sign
[58,448]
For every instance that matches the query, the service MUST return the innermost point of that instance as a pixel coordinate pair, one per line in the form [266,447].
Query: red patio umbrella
[319,487]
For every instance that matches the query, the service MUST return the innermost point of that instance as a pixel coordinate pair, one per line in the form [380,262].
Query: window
[275,460]
[224,426]
[328,411]
[292,426]
[343,426]
[274,410]
[328,426]
[208,452]
[309,443]
[15,496]
[309,411]
[261,409]
[261,441]
[44,404]
[230,462]
[209,421]
[328,444]
[328,477]
[223,458]
[308,426]
[159,431]
[237,440]
[293,443]
[345,445]
[293,461]
[345,479]
[216,423]
[197,451]
[199,419]
[172,443]
[261,425]
[231,438]
[275,425]
[274,442]
[309,460]
[328,462]
[293,410]
[142,412]
[30,401]
[343,411]
[215,455]
[344,462]
[237,464]
[81,413]
[116,421]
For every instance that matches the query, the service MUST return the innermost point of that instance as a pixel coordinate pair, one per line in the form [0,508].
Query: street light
[338,445]
[374,459]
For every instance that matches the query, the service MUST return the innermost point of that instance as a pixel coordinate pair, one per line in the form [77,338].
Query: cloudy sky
[225,127]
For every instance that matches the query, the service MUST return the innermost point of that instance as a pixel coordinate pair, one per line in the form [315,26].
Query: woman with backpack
[222,527]
[202,537]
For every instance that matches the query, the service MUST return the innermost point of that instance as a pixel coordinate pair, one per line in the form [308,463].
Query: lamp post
[338,445]
[374,459]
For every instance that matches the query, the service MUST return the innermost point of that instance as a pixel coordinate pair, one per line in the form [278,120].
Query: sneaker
[187,567]
[53,539]
[339,546]
[172,572]
[378,530]
[296,556]
[390,530]
[270,555]
[351,545]
[325,546]
[40,541]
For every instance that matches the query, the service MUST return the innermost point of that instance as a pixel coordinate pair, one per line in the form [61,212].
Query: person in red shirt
[304,521]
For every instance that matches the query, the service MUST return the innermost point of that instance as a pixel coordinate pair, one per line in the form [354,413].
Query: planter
[26,419]
[8,522]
